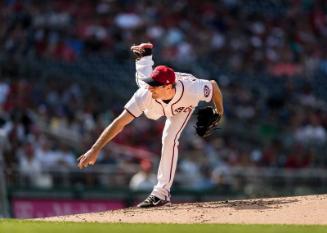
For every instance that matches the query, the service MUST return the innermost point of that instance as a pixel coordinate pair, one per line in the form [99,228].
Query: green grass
[20,226]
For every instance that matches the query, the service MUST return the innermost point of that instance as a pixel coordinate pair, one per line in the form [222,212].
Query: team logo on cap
[206,91]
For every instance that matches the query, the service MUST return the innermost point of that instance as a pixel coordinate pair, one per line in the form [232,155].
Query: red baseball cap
[161,75]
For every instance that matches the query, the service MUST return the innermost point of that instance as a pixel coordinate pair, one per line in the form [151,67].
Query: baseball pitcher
[163,92]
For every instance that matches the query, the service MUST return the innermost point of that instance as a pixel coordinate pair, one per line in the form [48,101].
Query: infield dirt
[288,210]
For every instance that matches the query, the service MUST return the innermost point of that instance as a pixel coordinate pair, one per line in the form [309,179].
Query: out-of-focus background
[66,72]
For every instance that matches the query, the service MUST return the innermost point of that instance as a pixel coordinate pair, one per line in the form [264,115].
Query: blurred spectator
[145,179]
[65,156]
[312,132]
[45,154]
[5,145]
[191,174]
[221,176]
[271,154]
[298,158]
[29,166]
[4,91]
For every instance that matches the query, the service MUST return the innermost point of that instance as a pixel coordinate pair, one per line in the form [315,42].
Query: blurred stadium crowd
[279,37]
[47,124]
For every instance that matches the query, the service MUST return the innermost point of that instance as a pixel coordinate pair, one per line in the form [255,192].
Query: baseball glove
[142,50]
[207,121]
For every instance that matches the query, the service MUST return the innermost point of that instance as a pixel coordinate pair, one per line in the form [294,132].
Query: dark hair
[173,85]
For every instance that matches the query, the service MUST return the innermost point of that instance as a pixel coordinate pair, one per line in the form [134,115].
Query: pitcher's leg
[169,154]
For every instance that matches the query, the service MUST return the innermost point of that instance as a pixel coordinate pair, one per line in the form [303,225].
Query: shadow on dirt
[259,204]
[248,204]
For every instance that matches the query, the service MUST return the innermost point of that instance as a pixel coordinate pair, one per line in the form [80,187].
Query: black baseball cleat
[152,201]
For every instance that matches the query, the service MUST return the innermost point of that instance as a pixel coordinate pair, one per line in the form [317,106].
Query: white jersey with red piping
[189,91]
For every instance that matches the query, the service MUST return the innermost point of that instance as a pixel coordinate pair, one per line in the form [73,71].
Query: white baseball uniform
[189,92]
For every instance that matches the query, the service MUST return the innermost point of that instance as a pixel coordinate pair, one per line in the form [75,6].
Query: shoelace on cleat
[150,198]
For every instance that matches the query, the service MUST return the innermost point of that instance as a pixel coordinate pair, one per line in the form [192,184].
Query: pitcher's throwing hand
[87,159]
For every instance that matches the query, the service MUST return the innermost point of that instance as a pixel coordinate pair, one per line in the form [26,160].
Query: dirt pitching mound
[288,210]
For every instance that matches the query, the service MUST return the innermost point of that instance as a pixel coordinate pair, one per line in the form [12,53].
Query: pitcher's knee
[168,140]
